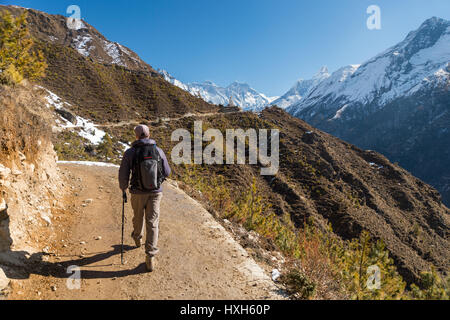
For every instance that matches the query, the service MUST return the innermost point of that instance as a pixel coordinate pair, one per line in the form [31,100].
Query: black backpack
[147,169]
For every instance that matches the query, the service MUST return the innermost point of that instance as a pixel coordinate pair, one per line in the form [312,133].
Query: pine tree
[18,59]
[106,148]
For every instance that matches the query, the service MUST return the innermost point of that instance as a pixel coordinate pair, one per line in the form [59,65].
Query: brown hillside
[331,181]
[103,88]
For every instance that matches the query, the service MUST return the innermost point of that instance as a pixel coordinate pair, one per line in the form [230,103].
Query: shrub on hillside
[433,287]
[18,59]
[324,265]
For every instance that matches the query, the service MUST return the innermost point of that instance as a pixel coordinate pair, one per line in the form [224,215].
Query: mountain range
[241,94]
[397,103]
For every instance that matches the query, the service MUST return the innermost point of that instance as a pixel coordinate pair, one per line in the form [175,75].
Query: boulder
[66,114]
[3,205]
[4,172]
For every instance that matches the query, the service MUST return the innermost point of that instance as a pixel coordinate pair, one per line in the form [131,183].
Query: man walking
[148,167]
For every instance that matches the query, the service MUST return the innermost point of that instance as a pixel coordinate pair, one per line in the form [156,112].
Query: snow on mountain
[270,99]
[396,103]
[85,128]
[301,89]
[113,50]
[246,97]
[172,80]
[81,44]
[242,94]
[421,60]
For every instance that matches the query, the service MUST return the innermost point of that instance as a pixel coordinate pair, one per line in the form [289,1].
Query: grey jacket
[127,165]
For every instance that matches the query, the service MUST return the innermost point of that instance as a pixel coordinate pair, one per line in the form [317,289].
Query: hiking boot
[138,243]
[150,263]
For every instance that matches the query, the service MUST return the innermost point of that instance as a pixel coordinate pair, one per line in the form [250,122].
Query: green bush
[298,284]
[18,60]
[106,148]
[433,287]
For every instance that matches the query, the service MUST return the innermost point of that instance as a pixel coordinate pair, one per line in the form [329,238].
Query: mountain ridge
[242,94]
[395,103]
[301,89]
[432,35]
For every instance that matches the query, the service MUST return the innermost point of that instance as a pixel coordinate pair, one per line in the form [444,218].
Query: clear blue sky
[266,43]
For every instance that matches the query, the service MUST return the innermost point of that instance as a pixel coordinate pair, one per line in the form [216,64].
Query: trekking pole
[123,223]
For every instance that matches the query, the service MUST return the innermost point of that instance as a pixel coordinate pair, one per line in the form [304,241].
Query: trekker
[148,167]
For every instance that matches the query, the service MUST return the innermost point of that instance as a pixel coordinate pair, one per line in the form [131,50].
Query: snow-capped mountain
[242,94]
[301,89]
[420,61]
[397,103]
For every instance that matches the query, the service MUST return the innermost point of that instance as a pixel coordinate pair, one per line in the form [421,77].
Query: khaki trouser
[146,205]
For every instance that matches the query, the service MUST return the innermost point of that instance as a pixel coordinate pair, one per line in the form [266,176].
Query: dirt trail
[163,119]
[187,115]
[198,258]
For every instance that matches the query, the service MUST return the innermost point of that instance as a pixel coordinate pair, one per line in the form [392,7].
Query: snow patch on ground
[87,129]
[81,44]
[90,163]
[373,164]
[125,146]
[114,51]
[339,112]
[54,100]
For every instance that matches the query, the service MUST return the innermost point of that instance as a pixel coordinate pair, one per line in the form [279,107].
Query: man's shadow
[20,265]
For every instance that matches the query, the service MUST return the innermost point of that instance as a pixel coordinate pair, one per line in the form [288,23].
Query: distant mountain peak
[433,21]
[239,83]
[210,82]
[301,89]
[395,103]
[400,71]
[323,71]
[243,95]
[239,86]
[425,36]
